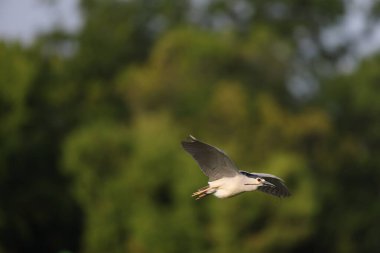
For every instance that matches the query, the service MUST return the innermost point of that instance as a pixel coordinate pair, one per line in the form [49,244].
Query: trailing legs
[202,192]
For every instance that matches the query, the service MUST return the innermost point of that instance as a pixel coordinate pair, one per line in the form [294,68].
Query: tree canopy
[91,125]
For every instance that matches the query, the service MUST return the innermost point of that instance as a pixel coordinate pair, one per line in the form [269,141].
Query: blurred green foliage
[90,155]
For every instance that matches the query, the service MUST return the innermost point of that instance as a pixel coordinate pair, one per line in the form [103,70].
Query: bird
[225,179]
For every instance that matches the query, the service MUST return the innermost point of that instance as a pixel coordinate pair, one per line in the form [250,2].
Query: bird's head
[259,181]
[254,181]
[262,182]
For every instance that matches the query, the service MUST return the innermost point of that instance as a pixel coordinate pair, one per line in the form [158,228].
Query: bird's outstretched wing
[214,162]
[280,189]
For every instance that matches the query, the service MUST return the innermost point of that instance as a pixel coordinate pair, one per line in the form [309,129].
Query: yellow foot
[201,192]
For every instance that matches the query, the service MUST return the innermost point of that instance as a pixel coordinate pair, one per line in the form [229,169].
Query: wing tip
[280,191]
[285,195]
[189,139]
[192,138]
[283,191]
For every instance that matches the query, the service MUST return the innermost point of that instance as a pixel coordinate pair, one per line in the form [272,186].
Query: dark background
[91,124]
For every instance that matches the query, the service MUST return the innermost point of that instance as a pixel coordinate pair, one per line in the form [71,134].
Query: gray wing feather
[280,189]
[214,162]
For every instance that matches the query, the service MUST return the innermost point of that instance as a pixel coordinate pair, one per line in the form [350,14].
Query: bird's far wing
[214,162]
[280,189]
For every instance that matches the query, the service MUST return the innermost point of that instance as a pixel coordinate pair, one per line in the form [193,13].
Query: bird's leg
[202,195]
[201,192]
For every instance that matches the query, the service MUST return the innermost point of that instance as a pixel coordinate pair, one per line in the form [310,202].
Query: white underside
[230,186]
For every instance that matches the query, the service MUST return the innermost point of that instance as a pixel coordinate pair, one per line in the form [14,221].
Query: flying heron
[225,179]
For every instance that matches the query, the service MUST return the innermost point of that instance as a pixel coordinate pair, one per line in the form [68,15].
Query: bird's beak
[268,184]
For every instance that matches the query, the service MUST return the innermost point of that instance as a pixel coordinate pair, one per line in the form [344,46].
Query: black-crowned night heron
[225,179]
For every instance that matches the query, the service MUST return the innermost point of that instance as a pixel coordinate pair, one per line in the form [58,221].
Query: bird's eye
[259,179]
